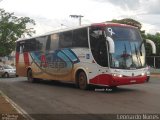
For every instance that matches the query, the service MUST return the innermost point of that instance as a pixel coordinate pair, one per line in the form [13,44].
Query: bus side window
[41,43]
[65,39]
[80,38]
[26,46]
[21,49]
[32,45]
[18,47]
[54,42]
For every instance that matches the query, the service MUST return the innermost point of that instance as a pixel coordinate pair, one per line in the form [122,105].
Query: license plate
[133,81]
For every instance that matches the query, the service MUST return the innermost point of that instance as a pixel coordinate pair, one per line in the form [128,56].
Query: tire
[147,80]
[6,75]
[30,76]
[82,80]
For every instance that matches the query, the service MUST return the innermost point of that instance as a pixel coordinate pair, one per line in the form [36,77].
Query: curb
[17,107]
[156,76]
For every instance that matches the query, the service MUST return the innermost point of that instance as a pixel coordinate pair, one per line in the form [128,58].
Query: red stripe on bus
[103,79]
[43,61]
[26,58]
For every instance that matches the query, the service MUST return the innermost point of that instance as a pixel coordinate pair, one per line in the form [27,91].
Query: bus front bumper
[110,80]
[116,81]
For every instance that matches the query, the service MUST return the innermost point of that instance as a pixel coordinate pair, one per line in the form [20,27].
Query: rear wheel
[30,76]
[82,80]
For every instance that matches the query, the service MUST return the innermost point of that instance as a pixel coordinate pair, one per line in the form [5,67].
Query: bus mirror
[111,45]
[152,44]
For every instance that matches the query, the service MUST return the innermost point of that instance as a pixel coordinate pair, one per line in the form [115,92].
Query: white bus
[105,54]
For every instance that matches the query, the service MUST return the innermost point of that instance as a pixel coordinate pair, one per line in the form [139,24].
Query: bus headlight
[114,74]
[117,75]
[120,75]
[142,74]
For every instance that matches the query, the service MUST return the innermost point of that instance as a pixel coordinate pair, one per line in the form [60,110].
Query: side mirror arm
[152,44]
[111,45]
[110,41]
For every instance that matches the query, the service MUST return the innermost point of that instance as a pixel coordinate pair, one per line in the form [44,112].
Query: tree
[12,28]
[131,22]
[156,39]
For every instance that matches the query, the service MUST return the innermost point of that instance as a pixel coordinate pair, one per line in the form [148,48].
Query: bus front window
[127,48]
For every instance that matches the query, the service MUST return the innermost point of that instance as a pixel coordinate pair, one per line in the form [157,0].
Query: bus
[103,54]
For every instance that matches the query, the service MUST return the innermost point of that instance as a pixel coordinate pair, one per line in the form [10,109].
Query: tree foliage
[131,22]
[156,39]
[12,28]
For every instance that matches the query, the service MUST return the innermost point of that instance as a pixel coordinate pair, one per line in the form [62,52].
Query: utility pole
[77,16]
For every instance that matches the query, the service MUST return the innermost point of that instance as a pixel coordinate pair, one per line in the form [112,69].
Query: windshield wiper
[124,55]
[137,56]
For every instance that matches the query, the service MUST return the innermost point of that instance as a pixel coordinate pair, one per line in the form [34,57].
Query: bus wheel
[82,81]
[30,76]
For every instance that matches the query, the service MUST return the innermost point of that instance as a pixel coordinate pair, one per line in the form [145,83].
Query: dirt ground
[7,111]
[47,99]
[155,75]
[6,107]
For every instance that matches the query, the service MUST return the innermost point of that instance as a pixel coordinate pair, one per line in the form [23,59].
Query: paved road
[48,97]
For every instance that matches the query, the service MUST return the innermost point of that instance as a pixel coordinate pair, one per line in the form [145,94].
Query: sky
[51,15]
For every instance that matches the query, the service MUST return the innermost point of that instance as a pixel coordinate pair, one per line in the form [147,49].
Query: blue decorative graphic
[65,59]
[71,55]
[36,56]
[59,61]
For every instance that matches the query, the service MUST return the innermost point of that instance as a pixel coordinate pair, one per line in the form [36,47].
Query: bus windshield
[129,53]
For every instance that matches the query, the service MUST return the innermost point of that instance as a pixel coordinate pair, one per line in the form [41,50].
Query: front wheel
[82,81]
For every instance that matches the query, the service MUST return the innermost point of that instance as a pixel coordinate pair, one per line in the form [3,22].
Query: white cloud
[50,14]
[145,11]
[149,28]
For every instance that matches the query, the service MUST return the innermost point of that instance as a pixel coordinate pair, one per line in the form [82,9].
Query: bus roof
[112,24]
[104,24]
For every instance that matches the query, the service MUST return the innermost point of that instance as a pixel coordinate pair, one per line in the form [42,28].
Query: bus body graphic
[103,54]
[60,61]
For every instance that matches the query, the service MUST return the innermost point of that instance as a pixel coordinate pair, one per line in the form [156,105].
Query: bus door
[100,53]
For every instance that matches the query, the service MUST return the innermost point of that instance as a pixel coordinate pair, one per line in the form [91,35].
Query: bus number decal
[111,31]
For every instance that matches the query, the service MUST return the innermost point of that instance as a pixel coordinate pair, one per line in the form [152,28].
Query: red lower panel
[106,79]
